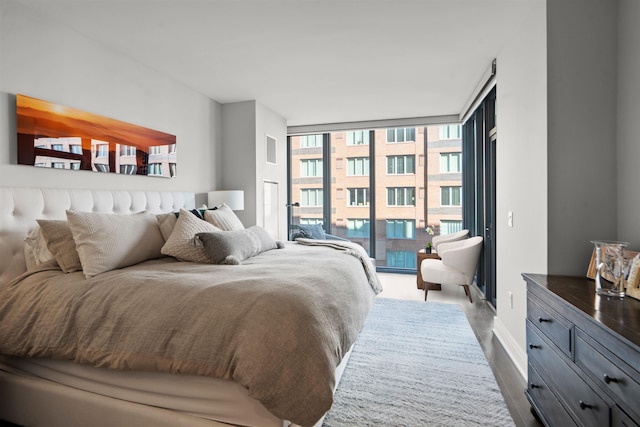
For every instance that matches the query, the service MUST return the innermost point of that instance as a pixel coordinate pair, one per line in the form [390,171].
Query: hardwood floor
[480,315]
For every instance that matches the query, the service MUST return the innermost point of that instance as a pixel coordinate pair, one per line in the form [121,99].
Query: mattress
[200,396]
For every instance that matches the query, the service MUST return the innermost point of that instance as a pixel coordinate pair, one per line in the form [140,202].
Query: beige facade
[409,187]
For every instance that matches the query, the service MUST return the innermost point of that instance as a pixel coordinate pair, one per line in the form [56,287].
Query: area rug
[417,364]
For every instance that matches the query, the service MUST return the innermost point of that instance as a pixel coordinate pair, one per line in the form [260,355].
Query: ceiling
[310,61]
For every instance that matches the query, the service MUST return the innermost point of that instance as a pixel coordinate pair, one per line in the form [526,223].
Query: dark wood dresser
[583,353]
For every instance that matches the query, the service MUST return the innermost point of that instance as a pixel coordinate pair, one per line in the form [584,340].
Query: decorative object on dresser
[583,353]
[610,267]
[633,280]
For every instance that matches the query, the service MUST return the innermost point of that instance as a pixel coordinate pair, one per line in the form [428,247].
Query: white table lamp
[232,198]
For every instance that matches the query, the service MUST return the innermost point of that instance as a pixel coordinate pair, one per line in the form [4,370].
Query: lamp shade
[232,198]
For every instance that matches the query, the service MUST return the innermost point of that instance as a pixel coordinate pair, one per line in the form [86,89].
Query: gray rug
[417,364]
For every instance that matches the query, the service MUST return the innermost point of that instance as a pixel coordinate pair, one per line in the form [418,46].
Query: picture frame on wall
[55,136]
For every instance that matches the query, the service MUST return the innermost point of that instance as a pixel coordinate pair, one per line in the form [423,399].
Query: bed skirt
[64,394]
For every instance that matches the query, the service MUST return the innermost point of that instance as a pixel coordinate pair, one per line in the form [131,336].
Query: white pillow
[166,222]
[224,218]
[36,252]
[60,243]
[180,244]
[109,241]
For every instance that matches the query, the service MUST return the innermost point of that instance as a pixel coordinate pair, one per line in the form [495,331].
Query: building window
[358,166]
[308,141]
[357,197]
[359,137]
[401,229]
[102,150]
[155,169]
[57,147]
[75,148]
[450,162]
[311,197]
[57,165]
[101,168]
[310,167]
[401,135]
[401,196]
[450,132]
[173,169]
[450,196]
[127,150]
[155,149]
[358,228]
[448,226]
[128,169]
[311,221]
[399,165]
[74,166]
[172,148]
[401,259]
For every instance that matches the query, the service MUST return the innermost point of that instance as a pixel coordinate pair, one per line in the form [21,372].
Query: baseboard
[517,355]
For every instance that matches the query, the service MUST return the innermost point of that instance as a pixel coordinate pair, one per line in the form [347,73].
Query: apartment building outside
[417,183]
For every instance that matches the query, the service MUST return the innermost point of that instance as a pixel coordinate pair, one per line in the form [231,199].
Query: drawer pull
[535,386]
[532,346]
[608,379]
[584,406]
[542,320]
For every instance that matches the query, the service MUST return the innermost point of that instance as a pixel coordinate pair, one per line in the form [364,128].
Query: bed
[164,342]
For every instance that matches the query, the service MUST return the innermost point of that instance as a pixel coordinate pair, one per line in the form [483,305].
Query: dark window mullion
[372,195]
[326,181]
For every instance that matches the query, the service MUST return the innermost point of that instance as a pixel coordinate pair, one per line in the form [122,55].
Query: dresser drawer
[558,329]
[620,419]
[579,398]
[603,367]
[545,402]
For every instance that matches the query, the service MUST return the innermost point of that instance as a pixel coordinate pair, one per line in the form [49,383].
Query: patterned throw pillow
[180,244]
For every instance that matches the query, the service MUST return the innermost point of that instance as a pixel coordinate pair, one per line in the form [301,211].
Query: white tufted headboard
[20,207]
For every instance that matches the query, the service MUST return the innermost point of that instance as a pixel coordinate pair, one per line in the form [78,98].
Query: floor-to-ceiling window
[380,188]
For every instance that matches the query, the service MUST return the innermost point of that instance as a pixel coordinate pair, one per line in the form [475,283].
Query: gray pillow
[314,230]
[233,247]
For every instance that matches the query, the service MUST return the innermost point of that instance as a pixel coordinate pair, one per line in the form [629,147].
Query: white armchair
[446,238]
[456,266]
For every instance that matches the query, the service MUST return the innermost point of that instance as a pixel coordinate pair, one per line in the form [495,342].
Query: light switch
[510,219]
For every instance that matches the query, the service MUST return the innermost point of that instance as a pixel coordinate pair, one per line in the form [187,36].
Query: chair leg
[468,292]
[426,289]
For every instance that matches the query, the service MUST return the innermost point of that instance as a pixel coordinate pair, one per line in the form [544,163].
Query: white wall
[238,155]
[628,156]
[576,182]
[44,60]
[582,91]
[244,167]
[521,174]
[270,123]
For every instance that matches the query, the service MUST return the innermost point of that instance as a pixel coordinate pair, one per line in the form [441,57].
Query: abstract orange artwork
[54,136]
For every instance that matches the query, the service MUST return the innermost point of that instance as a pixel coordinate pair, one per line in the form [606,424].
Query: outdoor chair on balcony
[456,266]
